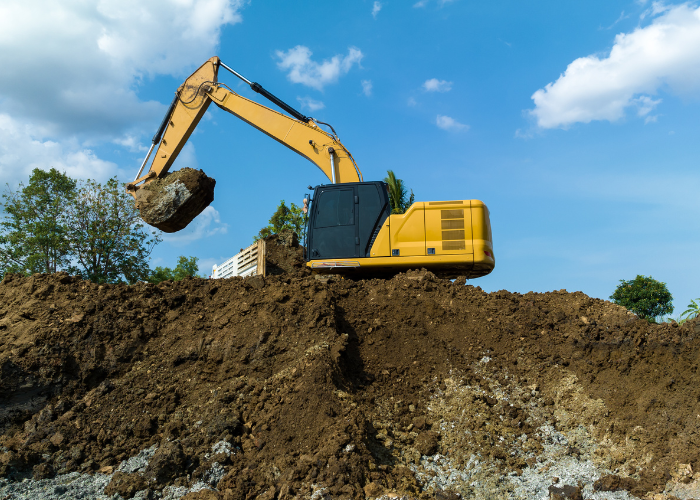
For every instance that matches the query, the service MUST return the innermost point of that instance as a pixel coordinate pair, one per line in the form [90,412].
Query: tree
[186,268]
[397,194]
[107,237]
[33,231]
[693,310]
[285,218]
[644,296]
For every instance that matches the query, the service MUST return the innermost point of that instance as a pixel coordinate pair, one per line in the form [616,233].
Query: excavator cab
[345,219]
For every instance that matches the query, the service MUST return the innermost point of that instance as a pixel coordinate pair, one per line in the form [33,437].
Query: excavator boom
[192,100]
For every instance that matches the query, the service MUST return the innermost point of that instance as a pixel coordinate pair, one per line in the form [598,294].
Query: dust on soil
[170,203]
[347,389]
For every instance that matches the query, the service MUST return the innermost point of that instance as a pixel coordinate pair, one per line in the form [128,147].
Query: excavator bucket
[173,201]
[170,201]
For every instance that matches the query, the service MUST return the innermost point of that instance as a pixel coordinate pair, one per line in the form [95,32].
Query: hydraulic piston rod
[260,90]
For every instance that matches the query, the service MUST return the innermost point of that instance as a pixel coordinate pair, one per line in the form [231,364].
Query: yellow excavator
[350,226]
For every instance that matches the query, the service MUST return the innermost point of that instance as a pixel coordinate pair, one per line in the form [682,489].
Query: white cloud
[130,142]
[21,152]
[75,64]
[618,20]
[303,70]
[376,7]
[367,87]
[664,54]
[448,123]
[435,85]
[656,8]
[205,225]
[310,104]
[411,101]
[72,69]
[423,3]
[645,104]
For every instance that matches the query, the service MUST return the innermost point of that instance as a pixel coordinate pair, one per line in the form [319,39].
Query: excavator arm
[300,134]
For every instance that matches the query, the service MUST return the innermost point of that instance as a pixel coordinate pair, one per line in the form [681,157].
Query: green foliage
[107,236]
[285,218]
[644,296]
[89,229]
[398,194]
[693,311]
[186,268]
[33,231]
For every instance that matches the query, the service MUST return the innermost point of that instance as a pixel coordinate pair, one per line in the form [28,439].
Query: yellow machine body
[449,238]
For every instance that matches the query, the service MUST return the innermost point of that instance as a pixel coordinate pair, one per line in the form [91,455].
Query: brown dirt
[341,385]
[172,202]
[284,255]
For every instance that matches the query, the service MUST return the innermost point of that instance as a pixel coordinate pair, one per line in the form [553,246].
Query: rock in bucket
[172,202]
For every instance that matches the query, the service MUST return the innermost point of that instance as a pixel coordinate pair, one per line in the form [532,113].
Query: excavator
[350,226]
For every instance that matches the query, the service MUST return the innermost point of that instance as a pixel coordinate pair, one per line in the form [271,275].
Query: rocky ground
[291,387]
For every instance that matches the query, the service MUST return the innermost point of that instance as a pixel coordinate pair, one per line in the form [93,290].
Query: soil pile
[284,255]
[170,203]
[288,386]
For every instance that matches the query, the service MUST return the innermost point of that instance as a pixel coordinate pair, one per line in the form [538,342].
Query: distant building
[248,262]
[226,270]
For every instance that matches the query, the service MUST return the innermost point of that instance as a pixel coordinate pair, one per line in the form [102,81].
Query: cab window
[335,207]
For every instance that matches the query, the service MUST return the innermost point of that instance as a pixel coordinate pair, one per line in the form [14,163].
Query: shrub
[644,296]
[693,310]
[285,218]
[187,267]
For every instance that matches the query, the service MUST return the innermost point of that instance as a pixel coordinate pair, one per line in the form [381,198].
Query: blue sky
[575,122]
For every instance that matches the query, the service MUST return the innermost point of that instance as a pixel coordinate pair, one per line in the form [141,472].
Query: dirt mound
[290,386]
[284,255]
[172,202]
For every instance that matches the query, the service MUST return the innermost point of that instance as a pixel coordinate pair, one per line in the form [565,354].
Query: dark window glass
[335,208]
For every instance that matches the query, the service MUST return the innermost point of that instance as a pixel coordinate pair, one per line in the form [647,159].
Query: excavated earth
[292,387]
[170,203]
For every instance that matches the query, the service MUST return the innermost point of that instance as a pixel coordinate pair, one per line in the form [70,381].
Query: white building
[248,262]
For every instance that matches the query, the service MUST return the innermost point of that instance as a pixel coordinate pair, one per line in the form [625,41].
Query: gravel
[477,478]
[77,486]
[557,469]
[62,487]
[139,462]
